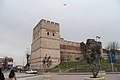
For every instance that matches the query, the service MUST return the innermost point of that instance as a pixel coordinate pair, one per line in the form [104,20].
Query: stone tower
[45,43]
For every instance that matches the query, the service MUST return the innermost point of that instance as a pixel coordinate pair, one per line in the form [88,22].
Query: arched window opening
[47,33]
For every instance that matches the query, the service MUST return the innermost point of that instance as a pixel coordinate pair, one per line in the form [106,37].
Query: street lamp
[97,38]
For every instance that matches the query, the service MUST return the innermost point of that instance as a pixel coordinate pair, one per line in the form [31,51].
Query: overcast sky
[79,20]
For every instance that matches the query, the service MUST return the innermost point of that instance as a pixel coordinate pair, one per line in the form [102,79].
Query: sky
[79,20]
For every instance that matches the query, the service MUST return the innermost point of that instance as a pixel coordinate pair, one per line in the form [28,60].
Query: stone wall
[46,42]
[69,50]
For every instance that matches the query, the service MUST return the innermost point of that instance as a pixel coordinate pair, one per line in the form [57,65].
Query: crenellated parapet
[46,27]
[50,26]
[49,22]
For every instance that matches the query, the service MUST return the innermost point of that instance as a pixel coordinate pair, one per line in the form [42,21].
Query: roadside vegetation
[81,65]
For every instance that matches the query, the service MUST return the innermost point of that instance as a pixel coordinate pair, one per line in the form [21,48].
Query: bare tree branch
[113,46]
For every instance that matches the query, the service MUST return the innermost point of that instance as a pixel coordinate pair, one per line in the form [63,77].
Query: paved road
[19,75]
[23,76]
[73,77]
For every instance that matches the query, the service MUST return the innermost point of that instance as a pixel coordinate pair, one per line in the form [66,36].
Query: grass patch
[81,64]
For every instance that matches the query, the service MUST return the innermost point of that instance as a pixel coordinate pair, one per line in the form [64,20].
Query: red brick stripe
[45,48]
[41,62]
[50,29]
[69,52]
[44,57]
[68,47]
[45,38]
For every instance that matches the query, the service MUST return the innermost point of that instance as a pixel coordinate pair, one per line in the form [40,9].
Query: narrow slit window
[53,34]
[47,33]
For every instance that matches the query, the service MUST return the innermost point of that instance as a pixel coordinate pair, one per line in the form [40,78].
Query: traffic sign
[111,57]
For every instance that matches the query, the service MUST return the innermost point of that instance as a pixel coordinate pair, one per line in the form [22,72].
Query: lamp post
[97,38]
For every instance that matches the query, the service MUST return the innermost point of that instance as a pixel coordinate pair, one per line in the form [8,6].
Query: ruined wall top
[72,43]
[90,41]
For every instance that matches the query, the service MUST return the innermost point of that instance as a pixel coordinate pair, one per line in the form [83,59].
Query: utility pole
[23,61]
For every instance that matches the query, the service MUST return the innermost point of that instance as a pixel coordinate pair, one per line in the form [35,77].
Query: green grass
[80,64]
[66,65]
[105,64]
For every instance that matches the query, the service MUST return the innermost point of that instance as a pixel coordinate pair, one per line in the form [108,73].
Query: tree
[5,64]
[93,56]
[27,66]
[113,46]
[47,62]
[28,63]
[27,57]
[112,49]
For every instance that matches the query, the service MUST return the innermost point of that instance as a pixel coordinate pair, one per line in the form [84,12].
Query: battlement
[49,22]
[66,42]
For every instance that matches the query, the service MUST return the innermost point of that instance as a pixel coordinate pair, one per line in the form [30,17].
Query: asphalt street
[77,76]
[73,77]
[19,75]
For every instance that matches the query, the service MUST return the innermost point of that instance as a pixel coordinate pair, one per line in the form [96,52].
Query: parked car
[31,72]
[15,69]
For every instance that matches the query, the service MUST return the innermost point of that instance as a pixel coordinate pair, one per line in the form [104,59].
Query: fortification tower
[45,43]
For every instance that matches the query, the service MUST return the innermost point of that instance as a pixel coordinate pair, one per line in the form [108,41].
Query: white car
[31,72]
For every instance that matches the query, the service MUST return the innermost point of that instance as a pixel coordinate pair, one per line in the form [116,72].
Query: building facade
[69,50]
[47,43]
[6,62]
